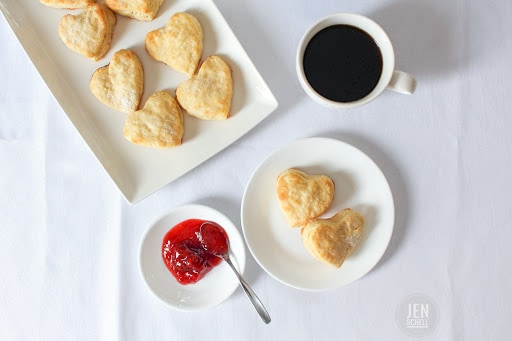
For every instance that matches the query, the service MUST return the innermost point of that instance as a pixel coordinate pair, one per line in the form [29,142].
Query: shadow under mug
[390,78]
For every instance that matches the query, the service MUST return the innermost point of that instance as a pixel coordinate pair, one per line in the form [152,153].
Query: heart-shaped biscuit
[89,32]
[158,124]
[332,240]
[67,4]
[179,44]
[303,197]
[208,94]
[144,10]
[119,84]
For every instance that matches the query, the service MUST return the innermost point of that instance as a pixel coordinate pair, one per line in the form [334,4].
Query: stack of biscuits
[206,94]
[303,199]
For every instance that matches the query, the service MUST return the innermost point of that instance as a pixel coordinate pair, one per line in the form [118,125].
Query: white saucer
[211,290]
[359,184]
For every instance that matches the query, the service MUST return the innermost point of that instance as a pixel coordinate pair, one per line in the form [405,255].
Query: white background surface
[69,241]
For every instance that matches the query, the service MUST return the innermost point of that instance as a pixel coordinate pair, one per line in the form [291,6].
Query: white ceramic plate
[359,184]
[215,287]
[139,171]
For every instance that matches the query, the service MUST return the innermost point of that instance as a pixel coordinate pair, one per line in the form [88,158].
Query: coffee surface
[342,63]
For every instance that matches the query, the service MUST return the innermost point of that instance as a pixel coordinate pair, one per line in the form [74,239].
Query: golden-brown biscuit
[67,4]
[89,32]
[158,124]
[179,44]
[144,10]
[208,94]
[120,83]
[332,240]
[302,196]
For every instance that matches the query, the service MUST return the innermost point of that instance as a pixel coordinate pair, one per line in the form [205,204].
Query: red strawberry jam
[185,256]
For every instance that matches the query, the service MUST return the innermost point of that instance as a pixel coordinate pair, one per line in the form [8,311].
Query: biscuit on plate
[332,240]
[144,10]
[303,197]
[119,84]
[179,44]
[208,94]
[158,124]
[67,4]
[89,32]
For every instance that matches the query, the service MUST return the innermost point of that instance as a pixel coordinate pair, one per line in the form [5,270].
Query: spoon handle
[250,293]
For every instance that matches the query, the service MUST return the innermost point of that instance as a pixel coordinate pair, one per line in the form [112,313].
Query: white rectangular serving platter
[140,171]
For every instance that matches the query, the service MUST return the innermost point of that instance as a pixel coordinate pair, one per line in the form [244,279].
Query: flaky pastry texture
[303,197]
[333,239]
[158,124]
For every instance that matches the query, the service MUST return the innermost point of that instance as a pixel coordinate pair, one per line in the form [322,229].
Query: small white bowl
[212,289]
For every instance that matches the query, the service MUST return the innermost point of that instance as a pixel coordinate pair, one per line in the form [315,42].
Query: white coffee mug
[390,78]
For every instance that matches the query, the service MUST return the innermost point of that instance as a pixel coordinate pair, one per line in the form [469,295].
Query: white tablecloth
[69,241]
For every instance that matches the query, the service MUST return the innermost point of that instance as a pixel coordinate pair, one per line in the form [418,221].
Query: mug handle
[402,82]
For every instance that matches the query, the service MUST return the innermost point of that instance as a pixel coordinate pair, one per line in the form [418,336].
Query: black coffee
[342,63]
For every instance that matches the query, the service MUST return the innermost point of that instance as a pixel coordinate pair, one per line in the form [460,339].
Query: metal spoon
[210,231]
